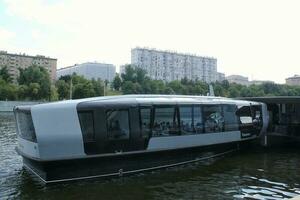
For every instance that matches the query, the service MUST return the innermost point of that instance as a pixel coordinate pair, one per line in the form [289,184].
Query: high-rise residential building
[220,76]
[15,61]
[294,80]
[169,66]
[122,69]
[238,79]
[90,70]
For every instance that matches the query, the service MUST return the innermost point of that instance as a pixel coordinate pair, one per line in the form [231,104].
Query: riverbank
[7,106]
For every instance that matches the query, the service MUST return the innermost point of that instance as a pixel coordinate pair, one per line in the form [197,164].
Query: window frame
[175,115]
[107,125]
[81,126]
[141,122]
[192,116]
[236,116]
[203,118]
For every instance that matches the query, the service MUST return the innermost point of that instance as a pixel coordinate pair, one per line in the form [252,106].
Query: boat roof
[142,99]
[274,99]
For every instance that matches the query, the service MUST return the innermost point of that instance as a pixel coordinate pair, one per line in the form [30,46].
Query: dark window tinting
[186,120]
[145,121]
[230,118]
[117,124]
[213,118]
[25,125]
[87,126]
[165,121]
[198,122]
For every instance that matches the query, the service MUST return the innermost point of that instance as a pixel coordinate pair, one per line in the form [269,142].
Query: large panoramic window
[198,122]
[145,116]
[86,120]
[230,118]
[117,124]
[186,120]
[165,121]
[213,118]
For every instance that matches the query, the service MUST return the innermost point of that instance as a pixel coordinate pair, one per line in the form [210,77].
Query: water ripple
[254,174]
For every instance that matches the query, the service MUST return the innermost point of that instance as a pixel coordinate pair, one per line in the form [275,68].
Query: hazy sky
[256,38]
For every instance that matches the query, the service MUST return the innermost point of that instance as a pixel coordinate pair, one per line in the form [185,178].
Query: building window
[165,121]
[117,124]
[213,118]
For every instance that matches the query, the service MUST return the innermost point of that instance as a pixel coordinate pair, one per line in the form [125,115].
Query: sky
[259,39]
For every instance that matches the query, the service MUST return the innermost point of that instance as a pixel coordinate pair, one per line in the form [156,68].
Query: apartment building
[15,61]
[294,80]
[90,70]
[169,66]
[238,79]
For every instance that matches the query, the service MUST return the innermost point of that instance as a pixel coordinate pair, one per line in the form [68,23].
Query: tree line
[34,83]
[135,81]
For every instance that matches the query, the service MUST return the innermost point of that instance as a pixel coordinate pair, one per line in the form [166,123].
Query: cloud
[5,37]
[248,37]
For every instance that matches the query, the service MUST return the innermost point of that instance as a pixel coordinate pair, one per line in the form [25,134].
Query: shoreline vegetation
[34,84]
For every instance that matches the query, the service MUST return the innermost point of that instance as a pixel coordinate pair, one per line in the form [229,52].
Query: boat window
[186,119]
[244,113]
[86,120]
[145,121]
[198,122]
[117,124]
[213,118]
[165,121]
[230,118]
[25,125]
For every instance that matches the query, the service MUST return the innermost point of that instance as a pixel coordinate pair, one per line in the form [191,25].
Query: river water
[252,174]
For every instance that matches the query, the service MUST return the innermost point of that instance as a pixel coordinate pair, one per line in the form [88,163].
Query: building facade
[260,82]
[15,61]
[169,66]
[122,69]
[220,76]
[90,70]
[238,79]
[294,80]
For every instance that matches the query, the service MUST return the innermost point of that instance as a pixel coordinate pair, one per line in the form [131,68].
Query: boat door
[245,121]
[123,130]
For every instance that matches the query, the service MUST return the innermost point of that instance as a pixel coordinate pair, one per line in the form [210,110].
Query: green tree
[234,92]
[63,89]
[98,87]
[41,78]
[130,74]
[177,87]
[54,93]
[7,91]
[4,75]
[117,82]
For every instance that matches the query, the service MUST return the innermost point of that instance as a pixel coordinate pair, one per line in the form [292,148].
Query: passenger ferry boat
[116,135]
